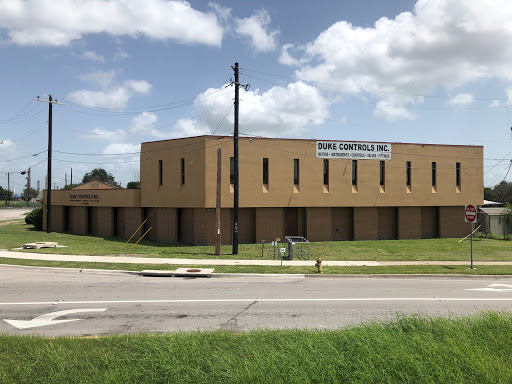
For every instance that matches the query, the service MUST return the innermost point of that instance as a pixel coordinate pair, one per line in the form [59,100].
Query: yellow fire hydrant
[319,265]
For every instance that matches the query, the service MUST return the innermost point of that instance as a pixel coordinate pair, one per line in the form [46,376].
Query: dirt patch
[9,222]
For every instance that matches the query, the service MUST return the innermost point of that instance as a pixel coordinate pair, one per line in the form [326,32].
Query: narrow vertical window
[434,175]
[326,172]
[182,171]
[457,174]
[265,171]
[231,170]
[296,171]
[408,173]
[354,173]
[160,172]
[382,173]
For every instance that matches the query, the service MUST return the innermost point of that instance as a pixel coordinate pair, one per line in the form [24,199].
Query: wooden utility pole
[235,154]
[218,205]
[50,102]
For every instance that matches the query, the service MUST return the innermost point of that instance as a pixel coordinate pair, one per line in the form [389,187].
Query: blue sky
[436,71]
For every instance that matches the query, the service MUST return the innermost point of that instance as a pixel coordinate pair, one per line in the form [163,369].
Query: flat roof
[289,139]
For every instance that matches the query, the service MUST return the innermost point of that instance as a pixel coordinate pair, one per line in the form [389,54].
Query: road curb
[78,270]
[271,275]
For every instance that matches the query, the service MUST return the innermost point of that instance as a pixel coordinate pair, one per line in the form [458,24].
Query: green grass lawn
[14,235]
[475,349]
[398,269]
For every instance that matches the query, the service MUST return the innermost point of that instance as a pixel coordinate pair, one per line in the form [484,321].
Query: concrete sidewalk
[147,260]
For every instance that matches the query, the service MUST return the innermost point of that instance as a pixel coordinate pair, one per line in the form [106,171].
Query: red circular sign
[470,213]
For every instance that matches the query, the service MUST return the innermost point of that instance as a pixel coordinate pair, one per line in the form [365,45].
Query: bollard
[319,265]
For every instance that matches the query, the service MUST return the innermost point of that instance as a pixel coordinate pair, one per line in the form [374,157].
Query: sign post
[470,217]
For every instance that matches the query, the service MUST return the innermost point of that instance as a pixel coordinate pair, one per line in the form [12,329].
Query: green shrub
[35,217]
[29,217]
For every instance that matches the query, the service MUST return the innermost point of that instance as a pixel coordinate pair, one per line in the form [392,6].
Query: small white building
[492,218]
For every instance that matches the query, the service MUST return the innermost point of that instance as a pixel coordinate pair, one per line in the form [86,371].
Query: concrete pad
[195,272]
[40,244]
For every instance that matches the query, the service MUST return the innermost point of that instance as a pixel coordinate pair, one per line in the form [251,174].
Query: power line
[20,111]
[351,99]
[31,133]
[373,90]
[148,130]
[25,114]
[144,107]
[24,157]
[184,104]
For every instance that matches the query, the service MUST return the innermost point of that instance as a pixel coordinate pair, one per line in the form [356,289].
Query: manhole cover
[193,270]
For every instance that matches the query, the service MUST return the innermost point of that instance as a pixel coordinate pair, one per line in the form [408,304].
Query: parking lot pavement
[13,213]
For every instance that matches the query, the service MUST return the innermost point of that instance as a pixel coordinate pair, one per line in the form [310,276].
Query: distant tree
[133,185]
[71,186]
[5,194]
[489,193]
[101,175]
[502,192]
[32,194]
[508,218]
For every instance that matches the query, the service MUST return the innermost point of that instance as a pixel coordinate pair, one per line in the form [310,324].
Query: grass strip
[399,269]
[15,235]
[414,349]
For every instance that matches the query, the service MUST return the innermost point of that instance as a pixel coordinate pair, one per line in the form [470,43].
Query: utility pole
[8,188]
[28,184]
[65,181]
[49,172]
[218,206]
[235,154]
[71,176]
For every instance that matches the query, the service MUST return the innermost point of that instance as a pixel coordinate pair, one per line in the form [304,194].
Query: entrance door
[291,227]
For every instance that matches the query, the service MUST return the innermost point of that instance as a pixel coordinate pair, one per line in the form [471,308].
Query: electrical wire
[354,100]
[20,111]
[370,89]
[143,107]
[148,130]
[184,104]
[24,157]
[25,114]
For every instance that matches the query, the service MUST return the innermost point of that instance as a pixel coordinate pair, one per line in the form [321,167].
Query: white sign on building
[351,150]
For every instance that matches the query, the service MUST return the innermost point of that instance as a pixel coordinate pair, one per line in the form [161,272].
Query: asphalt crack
[232,324]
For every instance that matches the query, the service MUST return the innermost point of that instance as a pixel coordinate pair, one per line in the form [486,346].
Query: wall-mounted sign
[355,151]
[83,198]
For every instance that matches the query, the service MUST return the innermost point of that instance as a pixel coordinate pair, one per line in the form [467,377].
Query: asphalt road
[13,213]
[101,304]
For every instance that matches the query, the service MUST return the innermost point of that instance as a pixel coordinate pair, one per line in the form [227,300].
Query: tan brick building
[287,187]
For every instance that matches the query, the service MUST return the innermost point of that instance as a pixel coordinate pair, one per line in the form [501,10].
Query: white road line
[178,301]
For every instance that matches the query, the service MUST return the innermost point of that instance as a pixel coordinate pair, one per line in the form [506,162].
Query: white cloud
[121,148]
[139,86]
[224,13]
[91,55]
[57,23]
[103,134]
[113,95]
[461,99]
[443,44]
[391,109]
[101,78]
[285,58]
[7,143]
[120,54]
[280,111]
[509,94]
[256,29]
[144,122]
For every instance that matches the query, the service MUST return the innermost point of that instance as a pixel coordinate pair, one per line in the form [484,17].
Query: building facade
[320,190]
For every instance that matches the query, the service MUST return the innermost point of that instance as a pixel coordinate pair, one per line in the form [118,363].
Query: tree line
[501,193]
